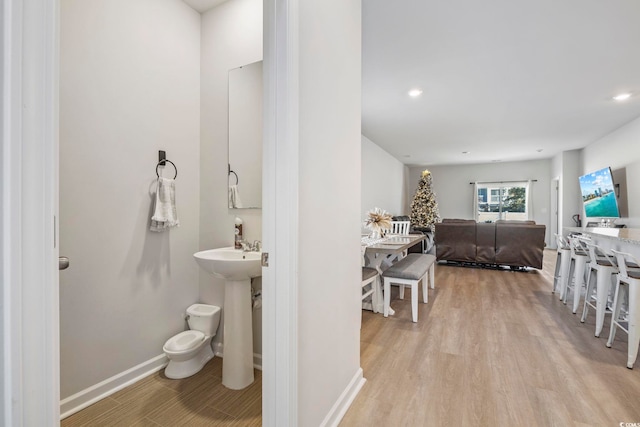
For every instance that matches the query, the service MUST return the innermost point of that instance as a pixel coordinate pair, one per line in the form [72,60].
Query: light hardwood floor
[492,348]
[200,400]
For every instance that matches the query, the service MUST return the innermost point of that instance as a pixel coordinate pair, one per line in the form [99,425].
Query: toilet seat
[184,341]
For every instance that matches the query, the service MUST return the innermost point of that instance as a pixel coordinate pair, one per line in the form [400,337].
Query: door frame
[29,300]
[280,214]
[30,343]
[554,220]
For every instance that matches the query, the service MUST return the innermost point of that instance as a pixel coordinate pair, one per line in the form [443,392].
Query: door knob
[63,263]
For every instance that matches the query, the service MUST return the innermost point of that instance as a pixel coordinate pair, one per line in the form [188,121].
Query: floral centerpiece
[378,220]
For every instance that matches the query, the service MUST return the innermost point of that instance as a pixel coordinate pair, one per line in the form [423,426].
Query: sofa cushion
[515,222]
[455,220]
[486,243]
[456,241]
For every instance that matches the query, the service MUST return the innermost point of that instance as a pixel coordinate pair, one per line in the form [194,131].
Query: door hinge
[265,259]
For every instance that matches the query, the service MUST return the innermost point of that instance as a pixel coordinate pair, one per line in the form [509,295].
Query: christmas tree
[424,208]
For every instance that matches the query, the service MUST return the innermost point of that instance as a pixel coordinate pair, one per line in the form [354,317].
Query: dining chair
[400,227]
[369,277]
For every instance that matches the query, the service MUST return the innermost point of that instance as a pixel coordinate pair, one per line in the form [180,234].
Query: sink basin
[230,263]
[237,268]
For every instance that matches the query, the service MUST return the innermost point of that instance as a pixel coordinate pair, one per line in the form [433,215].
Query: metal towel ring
[232,172]
[237,180]
[161,163]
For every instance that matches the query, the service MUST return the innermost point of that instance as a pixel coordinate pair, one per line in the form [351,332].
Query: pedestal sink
[237,268]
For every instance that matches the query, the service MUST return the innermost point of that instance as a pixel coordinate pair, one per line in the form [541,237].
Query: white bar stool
[563,262]
[579,258]
[628,283]
[605,271]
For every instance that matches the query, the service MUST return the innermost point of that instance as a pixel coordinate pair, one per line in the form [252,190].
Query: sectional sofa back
[520,243]
[456,240]
[512,243]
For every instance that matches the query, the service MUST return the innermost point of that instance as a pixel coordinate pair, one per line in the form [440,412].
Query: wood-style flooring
[200,400]
[492,348]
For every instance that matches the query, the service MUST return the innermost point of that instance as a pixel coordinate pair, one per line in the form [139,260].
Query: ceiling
[203,5]
[501,79]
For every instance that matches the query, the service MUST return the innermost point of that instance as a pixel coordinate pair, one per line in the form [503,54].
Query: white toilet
[190,350]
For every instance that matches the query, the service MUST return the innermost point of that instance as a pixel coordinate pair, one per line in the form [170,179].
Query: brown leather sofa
[510,243]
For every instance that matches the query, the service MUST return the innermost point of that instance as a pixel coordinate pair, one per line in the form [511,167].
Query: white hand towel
[234,197]
[165,214]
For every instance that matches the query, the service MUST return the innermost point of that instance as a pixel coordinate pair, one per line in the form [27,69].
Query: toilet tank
[204,318]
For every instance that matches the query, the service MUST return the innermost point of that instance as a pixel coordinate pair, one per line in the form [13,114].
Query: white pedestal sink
[237,268]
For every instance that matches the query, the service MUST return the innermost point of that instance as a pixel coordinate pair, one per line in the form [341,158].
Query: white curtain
[475,200]
[529,195]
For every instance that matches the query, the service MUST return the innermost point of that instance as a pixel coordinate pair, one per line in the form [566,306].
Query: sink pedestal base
[237,364]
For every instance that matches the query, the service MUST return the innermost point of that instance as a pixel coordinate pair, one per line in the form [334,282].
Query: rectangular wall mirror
[245,136]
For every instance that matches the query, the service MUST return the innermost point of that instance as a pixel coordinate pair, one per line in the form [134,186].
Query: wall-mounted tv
[598,194]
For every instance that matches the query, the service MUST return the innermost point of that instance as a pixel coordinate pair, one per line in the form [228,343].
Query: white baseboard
[345,400]
[84,398]
[218,350]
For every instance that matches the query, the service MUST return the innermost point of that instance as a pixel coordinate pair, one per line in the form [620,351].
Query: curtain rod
[503,182]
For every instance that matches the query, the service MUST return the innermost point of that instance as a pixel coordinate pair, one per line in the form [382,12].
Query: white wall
[570,194]
[129,86]
[329,307]
[383,180]
[454,194]
[231,37]
[619,150]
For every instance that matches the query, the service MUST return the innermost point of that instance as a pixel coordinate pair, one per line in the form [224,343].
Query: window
[505,201]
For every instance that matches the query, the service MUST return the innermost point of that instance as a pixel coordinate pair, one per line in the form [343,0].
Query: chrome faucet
[246,247]
[257,246]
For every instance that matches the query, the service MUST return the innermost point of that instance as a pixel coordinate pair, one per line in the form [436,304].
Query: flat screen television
[598,194]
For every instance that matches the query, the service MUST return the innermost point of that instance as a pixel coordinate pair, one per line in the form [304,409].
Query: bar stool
[605,270]
[563,262]
[577,269]
[628,283]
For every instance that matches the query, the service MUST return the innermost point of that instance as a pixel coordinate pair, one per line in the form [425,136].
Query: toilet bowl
[190,350]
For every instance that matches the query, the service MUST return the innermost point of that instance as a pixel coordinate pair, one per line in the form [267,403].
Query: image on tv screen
[598,194]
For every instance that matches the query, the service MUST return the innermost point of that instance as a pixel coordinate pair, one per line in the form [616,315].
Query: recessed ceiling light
[466,152]
[622,97]
[415,93]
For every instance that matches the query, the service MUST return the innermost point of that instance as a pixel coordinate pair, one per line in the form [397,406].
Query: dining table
[379,254]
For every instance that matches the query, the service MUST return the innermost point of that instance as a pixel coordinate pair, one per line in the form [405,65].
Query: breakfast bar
[619,239]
